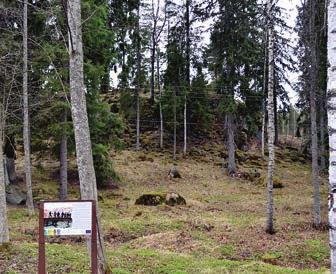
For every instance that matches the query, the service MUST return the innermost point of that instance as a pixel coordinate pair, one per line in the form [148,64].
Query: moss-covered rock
[155,199]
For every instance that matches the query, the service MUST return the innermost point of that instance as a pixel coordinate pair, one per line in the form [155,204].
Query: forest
[167,136]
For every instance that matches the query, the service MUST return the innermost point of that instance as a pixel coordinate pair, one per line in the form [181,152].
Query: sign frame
[41,240]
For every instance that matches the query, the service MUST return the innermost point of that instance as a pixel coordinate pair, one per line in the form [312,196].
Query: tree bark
[331,110]
[276,127]
[271,128]
[26,129]
[4,233]
[322,141]
[137,145]
[64,164]
[152,79]
[187,24]
[230,144]
[174,112]
[87,178]
[160,93]
[312,97]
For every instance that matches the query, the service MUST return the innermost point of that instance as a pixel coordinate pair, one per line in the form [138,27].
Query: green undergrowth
[65,258]
[221,229]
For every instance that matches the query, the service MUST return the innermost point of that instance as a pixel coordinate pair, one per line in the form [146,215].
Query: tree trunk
[230,144]
[137,146]
[187,24]
[174,110]
[331,107]
[322,141]
[26,130]
[276,128]
[160,93]
[87,178]
[4,233]
[271,128]
[64,164]
[313,131]
[263,125]
[152,79]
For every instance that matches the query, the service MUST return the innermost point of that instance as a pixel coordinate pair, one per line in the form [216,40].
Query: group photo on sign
[168,136]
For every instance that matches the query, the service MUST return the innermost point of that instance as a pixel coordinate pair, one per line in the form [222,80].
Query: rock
[174,199]
[174,173]
[14,195]
[150,200]
[156,199]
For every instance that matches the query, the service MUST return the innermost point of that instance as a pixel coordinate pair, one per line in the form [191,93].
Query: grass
[220,230]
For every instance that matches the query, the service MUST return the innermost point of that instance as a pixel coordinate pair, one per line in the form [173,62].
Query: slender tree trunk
[312,95]
[263,125]
[322,142]
[230,144]
[271,128]
[294,122]
[87,178]
[331,107]
[4,233]
[174,110]
[137,146]
[276,127]
[64,164]
[152,79]
[160,93]
[26,130]
[187,25]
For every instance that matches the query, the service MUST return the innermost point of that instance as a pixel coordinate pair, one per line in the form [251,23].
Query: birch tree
[270,125]
[26,130]
[331,91]
[87,177]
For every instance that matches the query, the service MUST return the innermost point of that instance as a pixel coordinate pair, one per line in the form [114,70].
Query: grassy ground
[220,230]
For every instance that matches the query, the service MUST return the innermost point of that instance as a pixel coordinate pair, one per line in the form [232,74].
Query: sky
[291,7]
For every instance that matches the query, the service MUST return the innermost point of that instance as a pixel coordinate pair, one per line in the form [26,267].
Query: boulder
[174,173]
[155,199]
[14,195]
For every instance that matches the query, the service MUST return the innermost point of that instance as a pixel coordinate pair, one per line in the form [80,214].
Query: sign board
[67,218]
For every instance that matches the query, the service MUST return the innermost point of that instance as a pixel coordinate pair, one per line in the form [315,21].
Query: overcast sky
[291,7]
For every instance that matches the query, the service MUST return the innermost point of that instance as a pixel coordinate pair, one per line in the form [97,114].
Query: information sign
[67,218]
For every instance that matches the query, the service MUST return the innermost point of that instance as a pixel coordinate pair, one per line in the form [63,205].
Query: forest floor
[220,230]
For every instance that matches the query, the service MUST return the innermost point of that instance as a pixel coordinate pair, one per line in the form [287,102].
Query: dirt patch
[115,236]
[181,242]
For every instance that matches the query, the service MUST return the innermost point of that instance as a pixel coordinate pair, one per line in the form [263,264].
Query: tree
[26,130]
[332,129]
[84,157]
[235,53]
[4,233]
[270,126]
[313,109]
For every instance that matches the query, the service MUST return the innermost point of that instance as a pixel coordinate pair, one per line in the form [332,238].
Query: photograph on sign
[67,218]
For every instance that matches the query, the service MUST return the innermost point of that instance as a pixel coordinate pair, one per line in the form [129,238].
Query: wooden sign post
[67,218]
